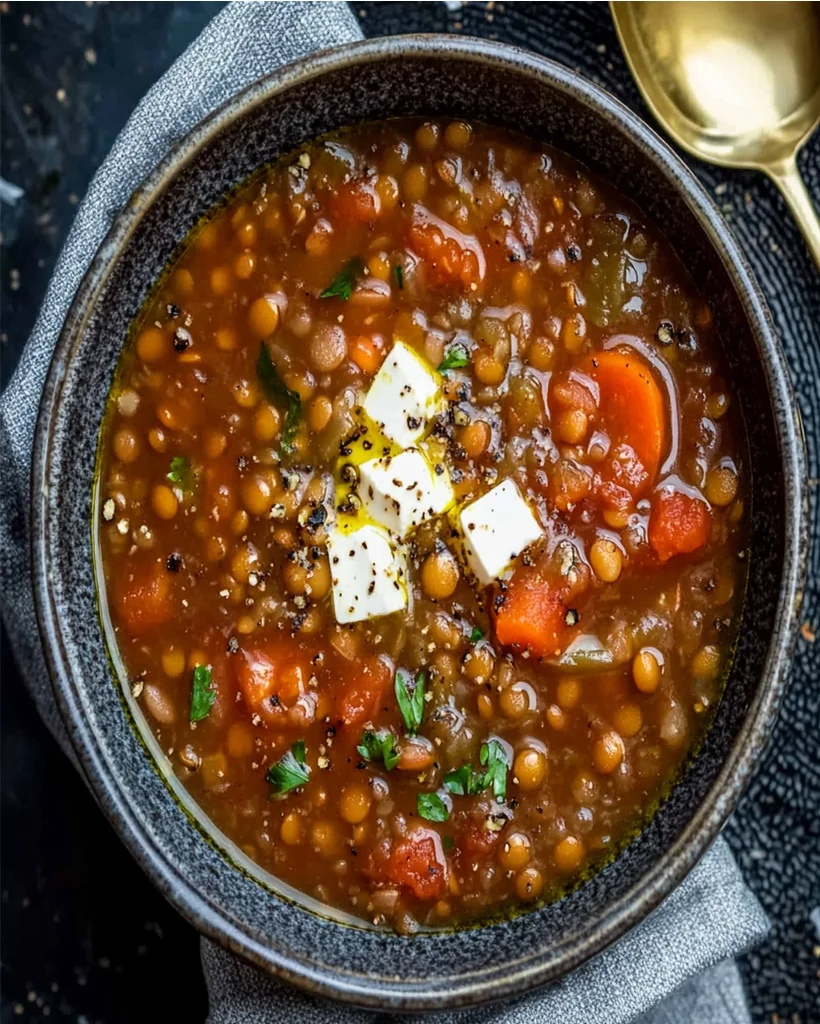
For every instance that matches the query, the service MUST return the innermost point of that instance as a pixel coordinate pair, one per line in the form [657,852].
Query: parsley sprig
[203,694]
[431,807]
[280,394]
[379,746]
[181,473]
[411,700]
[454,359]
[290,771]
[466,781]
[341,287]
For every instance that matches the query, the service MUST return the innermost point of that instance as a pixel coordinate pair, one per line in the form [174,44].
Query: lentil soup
[422,520]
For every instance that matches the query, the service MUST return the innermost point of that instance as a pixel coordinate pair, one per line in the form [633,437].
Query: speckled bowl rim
[752,739]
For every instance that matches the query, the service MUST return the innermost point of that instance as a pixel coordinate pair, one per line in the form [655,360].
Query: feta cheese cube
[401,491]
[404,395]
[368,572]
[496,529]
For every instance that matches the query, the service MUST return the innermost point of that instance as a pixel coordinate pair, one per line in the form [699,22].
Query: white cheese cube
[401,491]
[496,529]
[368,572]
[403,396]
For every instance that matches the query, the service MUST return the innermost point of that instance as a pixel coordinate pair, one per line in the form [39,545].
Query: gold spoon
[737,84]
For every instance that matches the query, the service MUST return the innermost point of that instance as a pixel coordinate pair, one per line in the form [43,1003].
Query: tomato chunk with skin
[678,524]
[358,202]
[364,692]
[272,678]
[144,601]
[532,615]
[631,408]
[417,863]
[453,256]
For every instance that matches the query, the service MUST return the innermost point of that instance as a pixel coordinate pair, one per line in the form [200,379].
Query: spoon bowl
[734,84]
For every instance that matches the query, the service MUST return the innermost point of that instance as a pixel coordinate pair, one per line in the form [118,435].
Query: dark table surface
[84,935]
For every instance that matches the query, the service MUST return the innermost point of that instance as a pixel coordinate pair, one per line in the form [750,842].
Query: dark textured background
[84,935]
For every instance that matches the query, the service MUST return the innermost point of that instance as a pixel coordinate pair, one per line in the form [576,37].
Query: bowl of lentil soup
[421,522]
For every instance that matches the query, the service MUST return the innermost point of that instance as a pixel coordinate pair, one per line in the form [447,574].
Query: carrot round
[631,404]
[532,616]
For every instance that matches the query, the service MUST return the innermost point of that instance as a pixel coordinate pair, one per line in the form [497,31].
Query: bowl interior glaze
[371,81]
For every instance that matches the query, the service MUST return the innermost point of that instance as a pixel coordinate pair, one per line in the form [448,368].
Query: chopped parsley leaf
[494,757]
[379,746]
[432,807]
[411,701]
[341,287]
[203,694]
[398,273]
[464,781]
[290,771]
[181,473]
[476,636]
[455,358]
[278,393]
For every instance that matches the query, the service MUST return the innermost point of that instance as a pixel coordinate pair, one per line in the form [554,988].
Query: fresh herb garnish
[181,473]
[494,757]
[398,273]
[448,843]
[203,694]
[379,746]
[476,636]
[341,287]
[432,807]
[455,358]
[278,392]
[411,700]
[464,781]
[290,771]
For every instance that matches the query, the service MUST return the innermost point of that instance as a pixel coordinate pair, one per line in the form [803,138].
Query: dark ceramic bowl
[200,871]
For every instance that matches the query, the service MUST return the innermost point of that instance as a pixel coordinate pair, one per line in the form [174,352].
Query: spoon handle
[787,178]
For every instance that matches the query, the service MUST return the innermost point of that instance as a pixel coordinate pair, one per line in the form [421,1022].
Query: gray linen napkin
[673,969]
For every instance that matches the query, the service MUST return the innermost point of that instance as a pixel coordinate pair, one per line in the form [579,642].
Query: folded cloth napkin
[674,968]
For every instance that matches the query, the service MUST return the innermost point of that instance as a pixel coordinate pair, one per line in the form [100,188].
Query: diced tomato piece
[623,467]
[144,601]
[678,524]
[631,407]
[417,862]
[532,616]
[452,255]
[364,691]
[477,842]
[272,677]
[357,201]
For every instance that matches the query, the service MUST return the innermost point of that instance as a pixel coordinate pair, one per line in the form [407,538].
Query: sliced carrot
[365,690]
[144,600]
[630,405]
[367,353]
[678,524]
[418,864]
[532,615]
[271,678]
